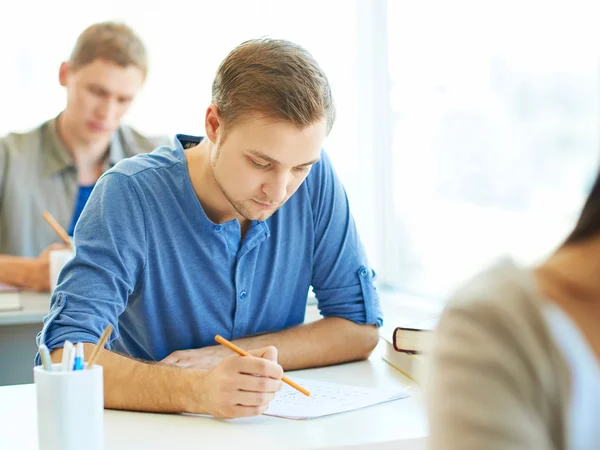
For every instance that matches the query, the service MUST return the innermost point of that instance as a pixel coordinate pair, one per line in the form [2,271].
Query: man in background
[55,166]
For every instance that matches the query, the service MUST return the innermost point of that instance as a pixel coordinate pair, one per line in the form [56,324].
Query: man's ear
[213,123]
[63,73]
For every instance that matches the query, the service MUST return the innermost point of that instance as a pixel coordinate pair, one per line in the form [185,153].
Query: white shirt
[583,430]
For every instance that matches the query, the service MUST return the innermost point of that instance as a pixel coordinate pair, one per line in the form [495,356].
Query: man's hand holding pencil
[242,386]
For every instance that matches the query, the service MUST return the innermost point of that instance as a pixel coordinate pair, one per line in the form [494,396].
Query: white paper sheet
[327,398]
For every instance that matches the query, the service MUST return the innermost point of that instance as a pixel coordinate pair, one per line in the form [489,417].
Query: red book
[416,337]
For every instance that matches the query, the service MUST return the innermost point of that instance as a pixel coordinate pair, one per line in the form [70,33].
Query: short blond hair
[112,41]
[276,78]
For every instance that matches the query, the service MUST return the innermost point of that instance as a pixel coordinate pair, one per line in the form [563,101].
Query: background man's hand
[38,274]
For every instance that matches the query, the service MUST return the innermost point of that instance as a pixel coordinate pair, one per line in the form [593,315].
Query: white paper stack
[326,399]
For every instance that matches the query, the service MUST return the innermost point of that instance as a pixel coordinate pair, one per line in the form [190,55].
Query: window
[494,133]
[465,129]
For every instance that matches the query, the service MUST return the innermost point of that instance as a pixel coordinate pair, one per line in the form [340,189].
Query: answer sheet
[326,399]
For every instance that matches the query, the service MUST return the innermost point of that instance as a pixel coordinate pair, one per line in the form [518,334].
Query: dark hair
[274,77]
[589,220]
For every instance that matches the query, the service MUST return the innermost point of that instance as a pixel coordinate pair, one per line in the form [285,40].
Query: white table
[399,424]
[18,330]
[34,308]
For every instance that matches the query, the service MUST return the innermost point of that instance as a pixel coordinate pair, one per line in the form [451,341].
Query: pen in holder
[70,408]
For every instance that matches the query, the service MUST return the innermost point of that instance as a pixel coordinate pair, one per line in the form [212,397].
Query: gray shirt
[497,379]
[37,174]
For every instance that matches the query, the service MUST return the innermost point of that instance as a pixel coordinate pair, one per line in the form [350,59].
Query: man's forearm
[328,341]
[137,386]
[14,270]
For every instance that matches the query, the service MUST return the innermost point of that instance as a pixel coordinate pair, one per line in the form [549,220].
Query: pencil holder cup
[58,259]
[70,408]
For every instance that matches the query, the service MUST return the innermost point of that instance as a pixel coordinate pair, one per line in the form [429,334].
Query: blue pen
[78,357]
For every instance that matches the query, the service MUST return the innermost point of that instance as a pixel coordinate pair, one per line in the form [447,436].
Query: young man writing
[55,166]
[223,235]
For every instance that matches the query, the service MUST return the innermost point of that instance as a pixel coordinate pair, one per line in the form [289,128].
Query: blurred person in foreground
[516,359]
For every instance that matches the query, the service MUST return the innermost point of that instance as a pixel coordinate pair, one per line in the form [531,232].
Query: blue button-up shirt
[150,262]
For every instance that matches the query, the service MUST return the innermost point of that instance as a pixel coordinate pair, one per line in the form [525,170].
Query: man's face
[263,161]
[98,94]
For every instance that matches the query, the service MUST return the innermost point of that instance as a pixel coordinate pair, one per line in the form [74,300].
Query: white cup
[70,408]
[58,259]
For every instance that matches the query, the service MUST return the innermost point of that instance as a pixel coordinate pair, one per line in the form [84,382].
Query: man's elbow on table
[366,339]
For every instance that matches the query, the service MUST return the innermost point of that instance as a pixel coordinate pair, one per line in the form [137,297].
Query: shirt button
[243,295]
[218,228]
[363,272]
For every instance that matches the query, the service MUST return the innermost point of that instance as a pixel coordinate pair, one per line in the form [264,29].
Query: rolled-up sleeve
[342,278]
[93,288]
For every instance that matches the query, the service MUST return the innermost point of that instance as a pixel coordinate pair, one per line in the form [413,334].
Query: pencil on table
[57,228]
[231,346]
[99,346]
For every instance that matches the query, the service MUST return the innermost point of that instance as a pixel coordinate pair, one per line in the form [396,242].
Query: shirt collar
[262,232]
[183,141]
[58,159]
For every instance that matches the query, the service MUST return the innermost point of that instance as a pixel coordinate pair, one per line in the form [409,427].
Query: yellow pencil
[101,344]
[231,346]
[57,228]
